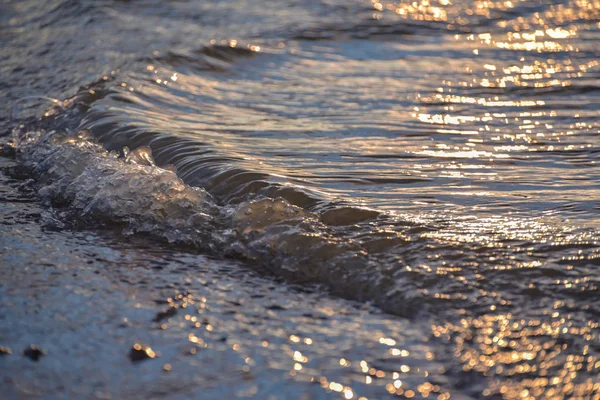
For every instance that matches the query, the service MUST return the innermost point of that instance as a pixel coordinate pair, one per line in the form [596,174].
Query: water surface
[435,159]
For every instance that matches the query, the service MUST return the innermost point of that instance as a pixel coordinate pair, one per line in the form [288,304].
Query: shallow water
[435,159]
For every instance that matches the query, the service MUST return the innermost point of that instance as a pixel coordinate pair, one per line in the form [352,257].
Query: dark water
[437,160]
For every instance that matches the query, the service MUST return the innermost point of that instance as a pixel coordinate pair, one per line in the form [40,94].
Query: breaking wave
[90,176]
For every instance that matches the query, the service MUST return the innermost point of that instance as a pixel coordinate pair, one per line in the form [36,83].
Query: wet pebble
[7,150]
[140,352]
[33,352]
[275,307]
[167,313]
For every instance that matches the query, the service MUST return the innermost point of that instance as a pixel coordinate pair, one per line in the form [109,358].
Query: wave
[188,192]
[169,162]
[91,184]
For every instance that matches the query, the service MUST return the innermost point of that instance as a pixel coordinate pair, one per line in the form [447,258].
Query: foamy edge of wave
[77,173]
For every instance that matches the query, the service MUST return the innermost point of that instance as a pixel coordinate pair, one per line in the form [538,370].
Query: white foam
[76,172]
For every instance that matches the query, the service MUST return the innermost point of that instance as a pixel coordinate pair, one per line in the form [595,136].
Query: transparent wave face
[438,159]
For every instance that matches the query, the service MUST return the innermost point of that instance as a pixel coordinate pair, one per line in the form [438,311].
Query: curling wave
[188,180]
[359,253]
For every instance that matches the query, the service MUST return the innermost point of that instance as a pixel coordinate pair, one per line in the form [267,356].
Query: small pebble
[167,313]
[33,352]
[140,352]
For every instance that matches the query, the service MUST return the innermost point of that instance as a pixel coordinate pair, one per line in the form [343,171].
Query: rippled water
[437,159]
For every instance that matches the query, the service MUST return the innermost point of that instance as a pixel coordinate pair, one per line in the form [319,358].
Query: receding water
[436,160]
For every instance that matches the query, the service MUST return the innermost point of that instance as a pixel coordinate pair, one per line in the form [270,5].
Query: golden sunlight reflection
[530,353]
[394,374]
